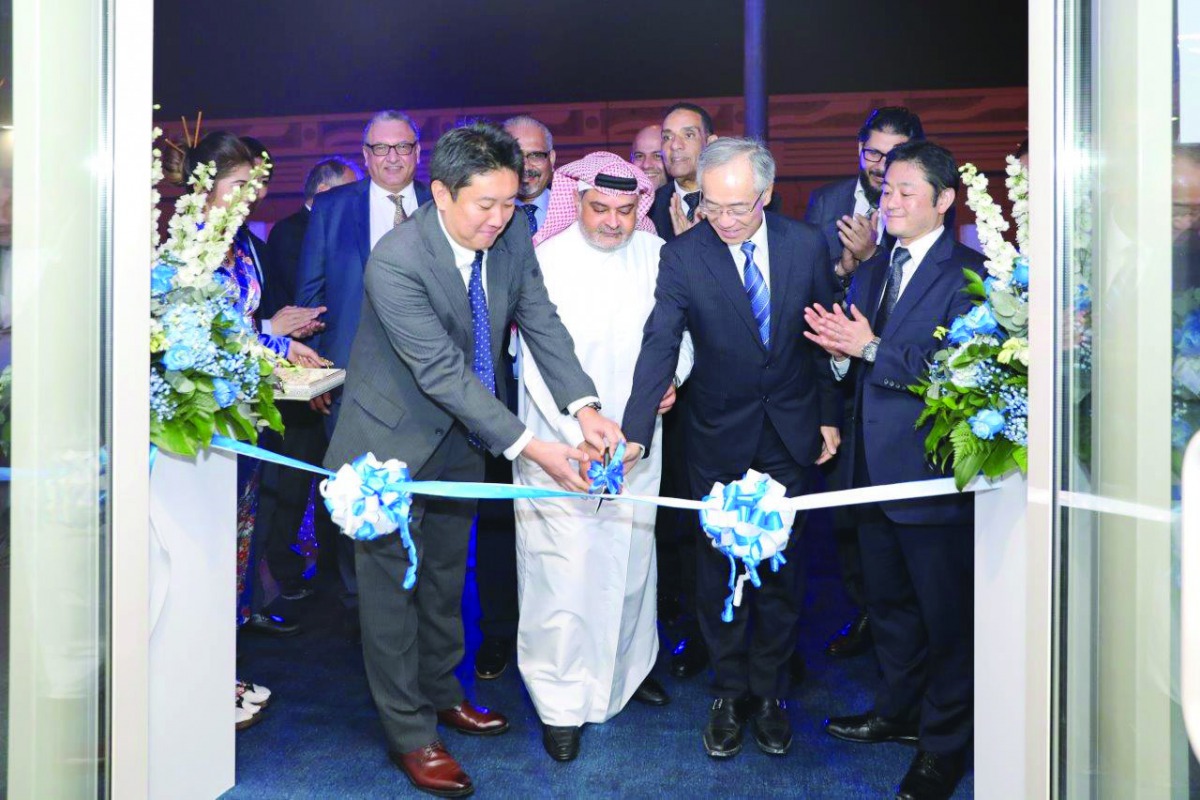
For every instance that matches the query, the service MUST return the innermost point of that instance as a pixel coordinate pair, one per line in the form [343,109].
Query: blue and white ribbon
[608,478]
[368,499]
[748,521]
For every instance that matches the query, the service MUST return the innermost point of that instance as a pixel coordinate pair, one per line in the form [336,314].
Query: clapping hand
[679,220]
[838,334]
[297,322]
[858,235]
[815,315]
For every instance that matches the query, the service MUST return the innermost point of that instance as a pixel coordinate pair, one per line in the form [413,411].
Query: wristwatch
[592,404]
[869,350]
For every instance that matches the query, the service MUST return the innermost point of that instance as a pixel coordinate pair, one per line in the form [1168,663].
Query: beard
[873,194]
[530,181]
[609,243]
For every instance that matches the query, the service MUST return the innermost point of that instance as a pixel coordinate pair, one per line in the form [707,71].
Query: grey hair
[391,115]
[325,172]
[525,119]
[727,148]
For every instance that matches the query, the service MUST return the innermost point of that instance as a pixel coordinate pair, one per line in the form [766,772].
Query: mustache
[532,174]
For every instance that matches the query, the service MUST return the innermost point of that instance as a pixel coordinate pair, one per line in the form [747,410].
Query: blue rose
[987,423]
[988,285]
[1083,298]
[1187,337]
[1020,273]
[178,358]
[960,332]
[224,392]
[162,279]
[981,321]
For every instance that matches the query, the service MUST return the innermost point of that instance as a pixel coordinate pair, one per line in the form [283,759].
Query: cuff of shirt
[266,327]
[514,450]
[573,409]
[840,367]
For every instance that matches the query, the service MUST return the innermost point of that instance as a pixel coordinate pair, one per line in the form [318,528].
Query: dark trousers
[845,524]
[752,653]
[496,557]
[675,529]
[283,498]
[413,640]
[920,591]
[496,536]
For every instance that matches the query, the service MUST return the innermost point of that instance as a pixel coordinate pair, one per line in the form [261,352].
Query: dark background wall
[254,58]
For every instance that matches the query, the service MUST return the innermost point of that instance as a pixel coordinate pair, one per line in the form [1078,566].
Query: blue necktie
[759,294]
[531,214]
[481,326]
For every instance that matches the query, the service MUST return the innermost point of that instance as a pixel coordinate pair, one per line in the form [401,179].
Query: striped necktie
[891,292]
[759,294]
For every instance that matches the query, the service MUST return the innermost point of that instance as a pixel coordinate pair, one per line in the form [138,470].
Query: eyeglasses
[401,148]
[537,157]
[873,155]
[1180,210]
[713,211]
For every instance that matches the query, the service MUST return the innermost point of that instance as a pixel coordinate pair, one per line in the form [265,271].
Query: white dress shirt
[762,257]
[383,210]
[917,250]
[464,259]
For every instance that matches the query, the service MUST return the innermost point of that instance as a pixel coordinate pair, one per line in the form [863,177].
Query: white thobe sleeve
[687,357]
[564,425]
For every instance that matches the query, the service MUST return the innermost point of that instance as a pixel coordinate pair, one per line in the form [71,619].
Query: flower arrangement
[208,372]
[1185,373]
[976,391]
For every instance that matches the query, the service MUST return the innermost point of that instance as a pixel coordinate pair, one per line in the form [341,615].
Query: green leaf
[1021,458]
[179,382]
[974,285]
[967,467]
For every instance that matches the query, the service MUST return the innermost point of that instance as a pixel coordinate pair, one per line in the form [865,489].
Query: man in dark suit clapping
[918,555]
[761,397]
[845,211]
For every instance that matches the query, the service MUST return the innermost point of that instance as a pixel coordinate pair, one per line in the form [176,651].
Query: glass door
[1127,242]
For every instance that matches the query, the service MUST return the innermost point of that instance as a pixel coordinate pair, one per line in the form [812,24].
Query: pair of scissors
[604,459]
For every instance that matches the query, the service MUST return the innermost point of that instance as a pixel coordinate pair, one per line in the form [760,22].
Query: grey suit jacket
[410,377]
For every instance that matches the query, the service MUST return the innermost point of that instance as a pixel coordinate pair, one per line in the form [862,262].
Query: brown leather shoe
[472,720]
[431,769]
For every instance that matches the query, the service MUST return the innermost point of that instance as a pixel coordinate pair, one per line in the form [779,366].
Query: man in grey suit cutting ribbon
[440,290]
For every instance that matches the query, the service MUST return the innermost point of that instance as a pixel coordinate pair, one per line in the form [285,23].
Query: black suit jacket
[826,206]
[736,381]
[886,409]
[660,210]
[283,260]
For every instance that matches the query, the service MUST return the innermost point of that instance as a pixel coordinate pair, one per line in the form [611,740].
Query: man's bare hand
[831,440]
[633,455]
[303,356]
[668,400]
[322,403]
[555,458]
[598,430]
[858,235]
[679,220]
[291,320]
[593,455]
[815,315]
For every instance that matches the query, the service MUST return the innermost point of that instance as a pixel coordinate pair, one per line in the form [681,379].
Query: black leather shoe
[870,728]
[771,726]
[932,776]
[492,657]
[651,693]
[723,734]
[799,669]
[271,626]
[689,658]
[561,741]
[853,639]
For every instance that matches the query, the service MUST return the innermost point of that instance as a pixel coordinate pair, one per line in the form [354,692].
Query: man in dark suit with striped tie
[761,397]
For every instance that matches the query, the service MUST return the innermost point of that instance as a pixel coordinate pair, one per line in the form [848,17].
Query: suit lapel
[363,215]
[874,272]
[726,271]
[782,260]
[444,269]
[922,279]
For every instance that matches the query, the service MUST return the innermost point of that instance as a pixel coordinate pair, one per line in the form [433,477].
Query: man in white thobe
[586,576]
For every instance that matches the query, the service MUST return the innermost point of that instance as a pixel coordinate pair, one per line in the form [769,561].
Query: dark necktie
[691,199]
[759,294]
[400,214]
[481,326]
[891,292]
[531,214]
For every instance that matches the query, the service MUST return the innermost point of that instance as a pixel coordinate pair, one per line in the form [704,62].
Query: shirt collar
[540,202]
[462,256]
[920,246]
[679,190]
[408,192]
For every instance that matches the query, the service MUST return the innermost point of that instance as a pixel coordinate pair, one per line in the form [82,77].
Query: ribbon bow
[368,499]
[608,476]
[748,521]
